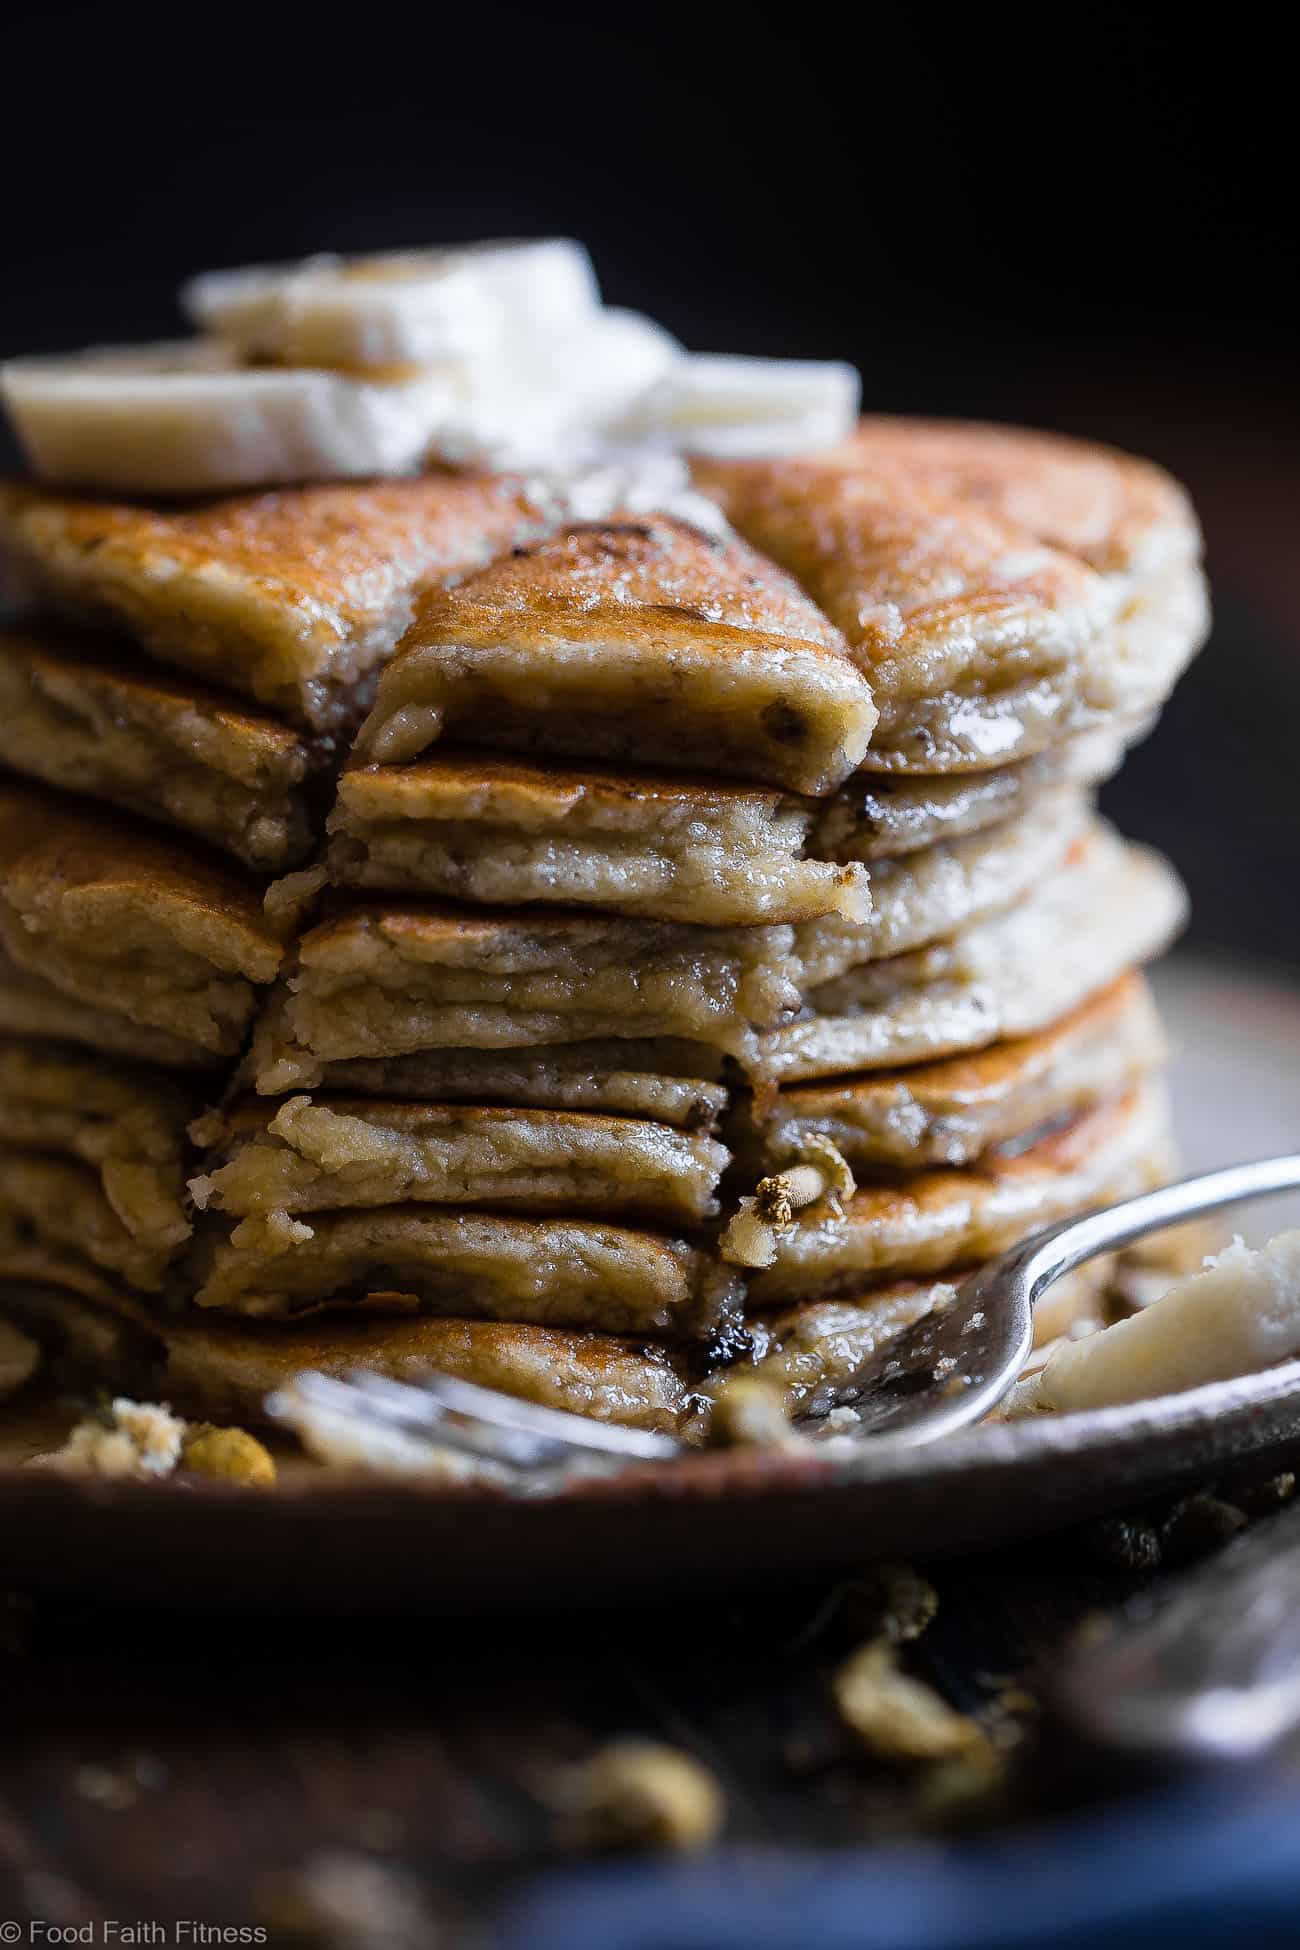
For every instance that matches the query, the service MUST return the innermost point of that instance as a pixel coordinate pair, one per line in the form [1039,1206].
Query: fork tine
[447,1412]
[422,1408]
[442,1394]
[331,1419]
[322,1404]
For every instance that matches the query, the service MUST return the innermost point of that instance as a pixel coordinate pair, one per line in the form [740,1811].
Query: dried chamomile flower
[817,1173]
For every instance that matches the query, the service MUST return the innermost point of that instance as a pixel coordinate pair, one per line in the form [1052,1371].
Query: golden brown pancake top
[286,596]
[912,578]
[1120,514]
[625,578]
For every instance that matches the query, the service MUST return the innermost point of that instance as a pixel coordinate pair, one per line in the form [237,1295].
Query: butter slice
[1240,1314]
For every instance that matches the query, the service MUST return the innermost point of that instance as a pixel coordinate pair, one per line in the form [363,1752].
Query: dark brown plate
[718,1520]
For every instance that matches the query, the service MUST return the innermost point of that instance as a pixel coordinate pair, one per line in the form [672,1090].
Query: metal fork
[945,1372]
[494,1436]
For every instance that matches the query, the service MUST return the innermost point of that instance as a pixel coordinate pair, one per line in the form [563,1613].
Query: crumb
[232,1454]
[343,1901]
[271,1232]
[900,1718]
[749,1413]
[288,902]
[129,1439]
[841,1420]
[637,1794]
[145,1440]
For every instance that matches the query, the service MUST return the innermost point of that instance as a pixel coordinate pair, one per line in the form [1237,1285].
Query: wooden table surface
[240,1770]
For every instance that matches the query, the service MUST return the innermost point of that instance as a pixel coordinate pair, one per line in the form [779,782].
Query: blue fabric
[1194,1869]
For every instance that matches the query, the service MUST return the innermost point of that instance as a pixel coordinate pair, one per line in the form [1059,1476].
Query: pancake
[129,920]
[127,1123]
[411,1259]
[814,1352]
[1117,512]
[30,1007]
[954,884]
[930,1221]
[873,818]
[291,597]
[54,1215]
[952,1111]
[91,717]
[675,848]
[306,1156]
[385,980]
[1111,907]
[672,1083]
[223,1370]
[997,603]
[640,640]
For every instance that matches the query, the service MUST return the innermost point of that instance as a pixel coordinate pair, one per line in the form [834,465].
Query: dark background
[1081,219]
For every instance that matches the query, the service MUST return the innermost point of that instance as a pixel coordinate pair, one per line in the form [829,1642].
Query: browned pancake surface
[638,640]
[289,597]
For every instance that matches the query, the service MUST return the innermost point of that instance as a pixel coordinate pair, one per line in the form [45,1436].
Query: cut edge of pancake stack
[600,931]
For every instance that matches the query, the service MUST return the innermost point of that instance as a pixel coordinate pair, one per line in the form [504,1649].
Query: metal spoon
[945,1372]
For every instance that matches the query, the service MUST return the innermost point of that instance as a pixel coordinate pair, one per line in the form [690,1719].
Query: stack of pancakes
[428,916]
